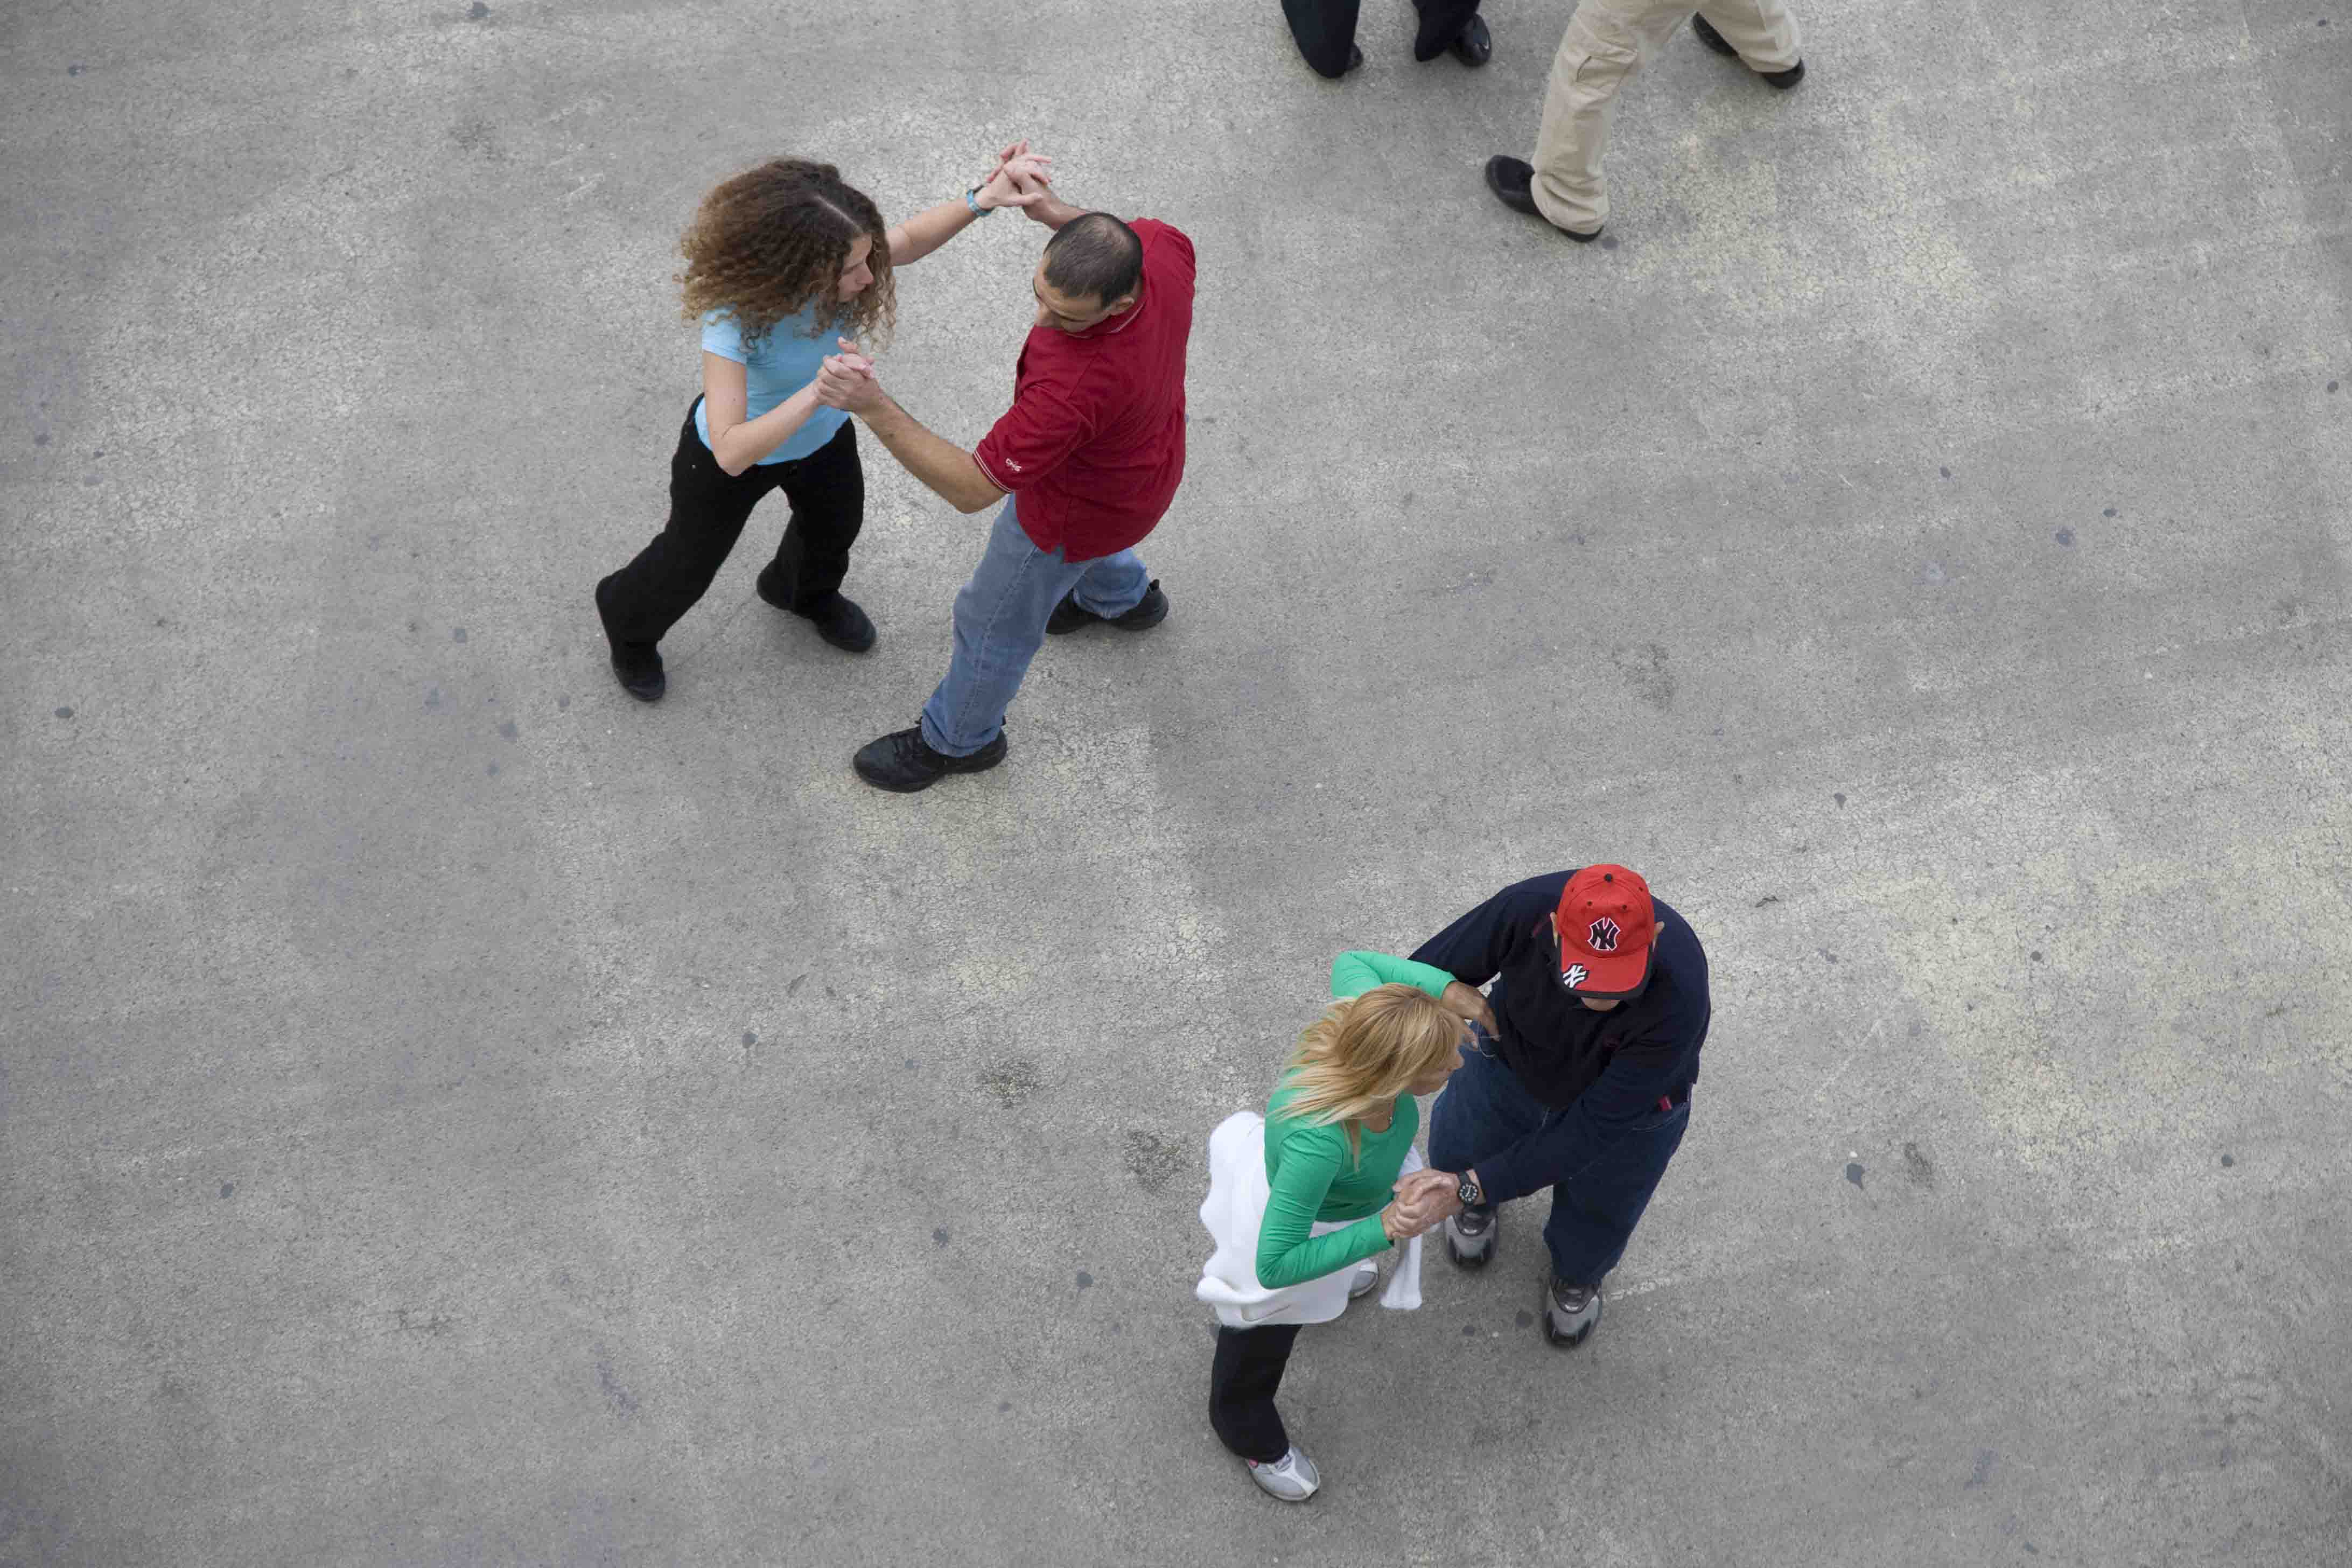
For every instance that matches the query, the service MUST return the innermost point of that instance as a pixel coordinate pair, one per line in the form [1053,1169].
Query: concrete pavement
[451,1113]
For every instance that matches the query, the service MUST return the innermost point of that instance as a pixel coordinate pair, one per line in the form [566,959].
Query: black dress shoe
[1149,612]
[1513,182]
[837,618]
[903,761]
[1473,45]
[1714,40]
[637,665]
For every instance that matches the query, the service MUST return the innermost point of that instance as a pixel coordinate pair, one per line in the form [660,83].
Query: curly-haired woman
[779,261]
[1300,1201]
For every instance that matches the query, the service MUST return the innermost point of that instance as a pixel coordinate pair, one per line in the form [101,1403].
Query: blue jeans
[1000,624]
[1484,1111]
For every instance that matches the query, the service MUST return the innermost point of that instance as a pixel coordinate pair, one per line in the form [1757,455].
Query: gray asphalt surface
[450,1113]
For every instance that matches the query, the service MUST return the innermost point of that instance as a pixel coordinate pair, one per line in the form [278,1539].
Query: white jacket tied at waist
[1233,1212]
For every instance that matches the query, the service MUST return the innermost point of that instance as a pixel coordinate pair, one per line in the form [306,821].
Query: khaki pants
[1606,43]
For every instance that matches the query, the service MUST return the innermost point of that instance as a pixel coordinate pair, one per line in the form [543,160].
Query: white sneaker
[1367,1280]
[1291,1477]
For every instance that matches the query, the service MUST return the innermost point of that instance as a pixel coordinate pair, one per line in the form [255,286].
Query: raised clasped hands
[845,380]
[1424,1199]
[1468,1003]
[1021,179]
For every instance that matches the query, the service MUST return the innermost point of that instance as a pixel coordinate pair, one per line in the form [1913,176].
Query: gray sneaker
[1570,1312]
[1291,1477]
[1470,1238]
[1367,1280]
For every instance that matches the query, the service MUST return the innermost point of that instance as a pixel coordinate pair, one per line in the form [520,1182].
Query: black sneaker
[1513,181]
[1714,40]
[1570,1312]
[903,761]
[637,665]
[836,616]
[1149,612]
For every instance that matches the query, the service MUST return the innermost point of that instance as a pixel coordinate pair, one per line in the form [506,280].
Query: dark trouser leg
[644,599]
[827,492]
[1481,1110]
[1440,23]
[1241,1382]
[1326,32]
[1593,1216]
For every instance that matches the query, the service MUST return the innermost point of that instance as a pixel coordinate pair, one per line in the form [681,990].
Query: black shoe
[1149,612]
[904,761]
[837,618]
[1714,40]
[1473,45]
[637,665]
[1513,182]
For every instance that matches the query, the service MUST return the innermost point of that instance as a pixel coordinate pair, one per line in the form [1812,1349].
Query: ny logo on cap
[1573,975]
[1602,937]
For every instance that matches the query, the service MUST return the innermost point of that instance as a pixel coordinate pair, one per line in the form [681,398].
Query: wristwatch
[1469,1192]
[971,200]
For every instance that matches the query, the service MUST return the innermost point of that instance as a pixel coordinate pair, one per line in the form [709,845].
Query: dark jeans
[1241,1382]
[707,508]
[1484,1111]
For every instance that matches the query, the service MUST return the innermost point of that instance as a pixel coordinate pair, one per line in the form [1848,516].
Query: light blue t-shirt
[774,367]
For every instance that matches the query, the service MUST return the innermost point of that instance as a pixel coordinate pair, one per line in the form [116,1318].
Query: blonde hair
[1366,1051]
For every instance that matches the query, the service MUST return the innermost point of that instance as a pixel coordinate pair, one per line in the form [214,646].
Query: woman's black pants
[1325,29]
[1242,1383]
[707,508]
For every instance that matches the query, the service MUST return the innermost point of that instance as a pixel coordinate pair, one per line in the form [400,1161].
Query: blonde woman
[1301,1201]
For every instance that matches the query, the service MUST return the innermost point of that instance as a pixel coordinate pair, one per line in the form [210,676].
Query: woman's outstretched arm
[1019,180]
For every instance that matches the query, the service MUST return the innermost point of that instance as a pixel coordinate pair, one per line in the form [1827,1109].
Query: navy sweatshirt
[1599,1073]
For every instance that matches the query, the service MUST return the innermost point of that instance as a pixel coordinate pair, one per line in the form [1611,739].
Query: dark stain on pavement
[1643,666]
[478,12]
[65,713]
[1918,1166]
[623,1402]
[457,634]
[1854,1174]
[509,730]
[2066,536]
[939,1236]
[1011,1081]
[2228,1161]
[1983,1471]
[228,1188]
[1085,1280]
[1526,1319]
[1152,1160]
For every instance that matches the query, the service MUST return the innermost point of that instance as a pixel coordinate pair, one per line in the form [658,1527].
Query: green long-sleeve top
[1307,1169]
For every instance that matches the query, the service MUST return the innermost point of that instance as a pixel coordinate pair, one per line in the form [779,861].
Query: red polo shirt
[1092,446]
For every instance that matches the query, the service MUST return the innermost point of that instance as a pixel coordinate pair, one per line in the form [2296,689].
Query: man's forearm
[947,469]
[1054,212]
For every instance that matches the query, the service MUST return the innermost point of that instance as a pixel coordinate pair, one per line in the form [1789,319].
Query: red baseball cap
[1606,926]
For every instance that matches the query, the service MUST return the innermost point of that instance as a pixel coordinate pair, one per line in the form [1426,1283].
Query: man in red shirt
[1090,456]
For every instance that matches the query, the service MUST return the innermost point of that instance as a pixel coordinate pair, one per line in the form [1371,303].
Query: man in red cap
[1581,1079]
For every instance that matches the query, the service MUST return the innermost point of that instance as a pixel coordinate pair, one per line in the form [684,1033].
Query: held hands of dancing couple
[1021,179]
[1426,1198]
